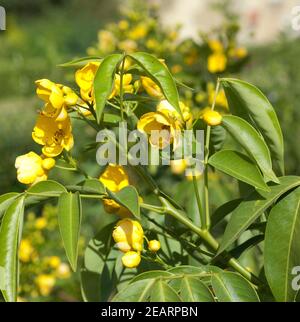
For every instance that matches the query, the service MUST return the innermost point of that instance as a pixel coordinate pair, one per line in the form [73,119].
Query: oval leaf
[9,241]
[151,274]
[193,290]
[282,246]
[97,278]
[6,200]
[80,61]
[69,219]
[89,186]
[252,142]
[251,208]
[135,292]
[129,198]
[232,287]
[248,98]
[162,292]
[103,82]
[161,75]
[238,166]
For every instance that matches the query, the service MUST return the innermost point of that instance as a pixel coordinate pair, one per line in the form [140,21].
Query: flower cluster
[129,237]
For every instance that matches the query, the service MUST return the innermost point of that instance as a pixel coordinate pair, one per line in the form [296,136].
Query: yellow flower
[239,53]
[154,245]
[152,43]
[165,107]
[53,261]
[151,87]
[84,78]
[107,41]
[220,99]
[57,98]
[50,92]
[45,283]
[215,45]
[123,24]
[138,32]
[26,250]
[53,135]
[31,168]
[63,271]
[41,223]
[127,87]
[129,235]
[128,45]
[114,179]
[178,166]
[131,259]
[216,62]
[167,120]
[212,117]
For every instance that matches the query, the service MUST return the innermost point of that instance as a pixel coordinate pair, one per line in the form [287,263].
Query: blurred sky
[261,20]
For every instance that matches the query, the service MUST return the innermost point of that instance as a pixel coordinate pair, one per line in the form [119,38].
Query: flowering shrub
[158,251]
[168,244]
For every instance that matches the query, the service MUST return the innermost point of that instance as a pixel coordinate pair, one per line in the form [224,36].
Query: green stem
[206,151]
[121,89]
[201,213]
[207,238]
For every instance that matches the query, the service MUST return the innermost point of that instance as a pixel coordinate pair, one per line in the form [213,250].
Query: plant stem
[121,89]
[201,213]
[207,238]
[206,151]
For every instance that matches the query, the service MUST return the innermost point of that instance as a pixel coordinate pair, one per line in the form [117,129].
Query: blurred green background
[42,34]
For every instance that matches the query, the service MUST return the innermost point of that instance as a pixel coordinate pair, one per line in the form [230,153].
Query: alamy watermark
[296,279]
[2,18]
[123,147]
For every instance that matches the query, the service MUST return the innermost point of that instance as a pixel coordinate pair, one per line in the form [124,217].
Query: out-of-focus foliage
[275,69]
[45,273]
[195,62]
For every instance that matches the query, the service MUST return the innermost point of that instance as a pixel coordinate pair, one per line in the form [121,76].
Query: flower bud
[212,117]
[128,235]
[131,259]
[154,245]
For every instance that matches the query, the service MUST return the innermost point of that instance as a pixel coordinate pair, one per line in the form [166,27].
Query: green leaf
[224,210]
[9,241]
[244,97]
[232,287]
[252,207]
[238,166]
[162,292]
[246,135]
[193,290]
[103,82]
[99,260]
[151,274]
[6,200]
[42,190]
[129,198]
[161,75]
[191,270]
[246,245]
[69,219]
[81,61]
[135,292]
[89,186]
[282,246]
